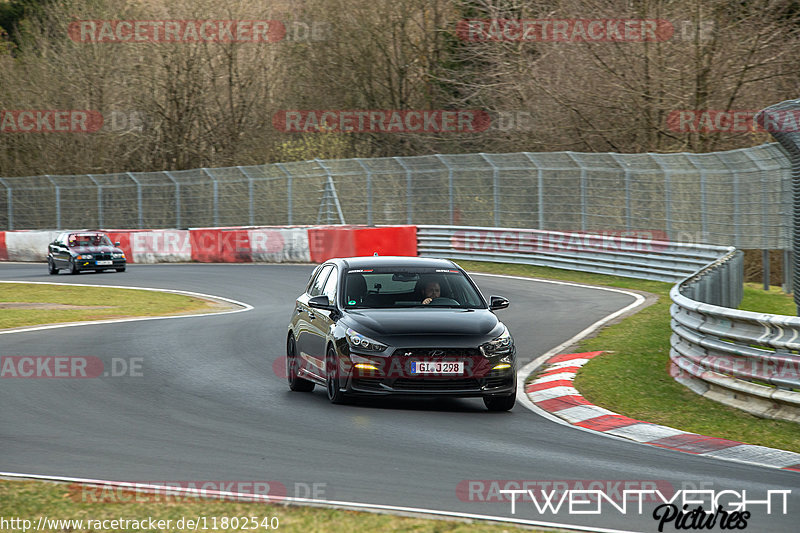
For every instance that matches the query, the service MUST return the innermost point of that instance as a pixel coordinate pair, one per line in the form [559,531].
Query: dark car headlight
[360,342]
[120,255]
[504,344]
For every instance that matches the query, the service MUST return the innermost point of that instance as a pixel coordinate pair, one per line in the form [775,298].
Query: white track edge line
[244,306]
[310,501]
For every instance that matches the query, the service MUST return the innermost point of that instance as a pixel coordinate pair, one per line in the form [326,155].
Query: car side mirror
[116,244]
[497,302]
[321,302]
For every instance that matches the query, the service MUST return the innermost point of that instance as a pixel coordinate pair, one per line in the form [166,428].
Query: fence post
[539,189]
[626,169]
[58,201]
[583,190]
[251,204]
[369,190]
[409,206]
[138,199]
[9,203]
[215,189]
[495,189]
[100,222]
[450,187]
[177,200]
[288,192]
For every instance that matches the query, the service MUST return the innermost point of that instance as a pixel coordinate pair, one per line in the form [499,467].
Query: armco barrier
[639,256]
[743,359]
[225,245]
[735,357]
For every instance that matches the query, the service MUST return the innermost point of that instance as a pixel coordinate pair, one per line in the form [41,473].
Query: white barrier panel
[29,245]
[161,246]
[279,245]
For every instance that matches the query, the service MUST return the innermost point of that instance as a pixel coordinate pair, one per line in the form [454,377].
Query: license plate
[437,367]
[103,263]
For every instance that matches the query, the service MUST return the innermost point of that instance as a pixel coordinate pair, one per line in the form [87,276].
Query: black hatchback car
[84,250]
[400,326]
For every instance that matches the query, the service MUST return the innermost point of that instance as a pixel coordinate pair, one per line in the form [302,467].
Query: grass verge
[57,501]
[632,378]
[25,304]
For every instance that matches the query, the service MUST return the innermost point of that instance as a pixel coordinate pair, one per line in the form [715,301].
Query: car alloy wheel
[335,394]
[51,266]
[73,268]
[297,384]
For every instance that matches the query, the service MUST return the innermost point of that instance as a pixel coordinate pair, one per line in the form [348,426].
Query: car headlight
[359,341]
[116,255]
[85,256]
[498,346]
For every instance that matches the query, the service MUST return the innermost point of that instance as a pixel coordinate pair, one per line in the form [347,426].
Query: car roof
[392,261]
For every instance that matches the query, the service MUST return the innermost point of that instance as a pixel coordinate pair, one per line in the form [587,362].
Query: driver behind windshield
[430,290]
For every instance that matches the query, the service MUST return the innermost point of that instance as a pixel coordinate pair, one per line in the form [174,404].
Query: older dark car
[400,326]
[84,250]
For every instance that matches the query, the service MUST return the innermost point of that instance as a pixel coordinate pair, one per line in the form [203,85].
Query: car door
[304,329]
[61,251]
[320,321]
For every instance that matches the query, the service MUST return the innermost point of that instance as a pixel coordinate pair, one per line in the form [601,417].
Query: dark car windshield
[409,287]
[89,240]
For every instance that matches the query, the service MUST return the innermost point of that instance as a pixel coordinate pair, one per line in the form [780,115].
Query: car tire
[51,267]
[296,384]
[73,268]
[335,394]
[121,269]
[500,403]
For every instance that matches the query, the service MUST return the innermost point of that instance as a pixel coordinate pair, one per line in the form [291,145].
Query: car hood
[421,321]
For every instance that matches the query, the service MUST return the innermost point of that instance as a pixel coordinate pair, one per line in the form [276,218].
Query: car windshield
[89,240]
[382,288]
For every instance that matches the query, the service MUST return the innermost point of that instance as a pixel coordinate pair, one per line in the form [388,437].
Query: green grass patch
[24,304]
[32,500]
[633,377]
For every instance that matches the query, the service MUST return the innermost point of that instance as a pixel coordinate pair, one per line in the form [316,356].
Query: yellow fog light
[366,366]
[501,366]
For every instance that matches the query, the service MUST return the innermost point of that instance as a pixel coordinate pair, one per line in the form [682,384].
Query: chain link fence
[737,198]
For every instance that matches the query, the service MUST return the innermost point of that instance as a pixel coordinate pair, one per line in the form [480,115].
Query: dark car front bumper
[393,377]
[92,264]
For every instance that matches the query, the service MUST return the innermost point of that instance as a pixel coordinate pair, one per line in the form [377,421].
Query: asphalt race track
[209,405]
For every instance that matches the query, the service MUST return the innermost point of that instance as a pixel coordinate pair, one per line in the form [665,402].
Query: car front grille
[104,256]
[437,352]
[436,384]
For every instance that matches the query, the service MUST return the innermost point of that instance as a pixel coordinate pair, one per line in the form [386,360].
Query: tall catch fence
[737,198]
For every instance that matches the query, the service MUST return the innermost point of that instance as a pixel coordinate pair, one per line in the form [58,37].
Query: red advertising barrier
[349,241]
[221,245]
[396,240]
[123,237]
[3,251]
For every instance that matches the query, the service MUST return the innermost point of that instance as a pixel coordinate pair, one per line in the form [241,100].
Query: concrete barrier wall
[232,245]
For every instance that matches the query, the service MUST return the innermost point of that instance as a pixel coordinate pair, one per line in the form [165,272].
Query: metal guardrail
[743,359]
[633,257]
